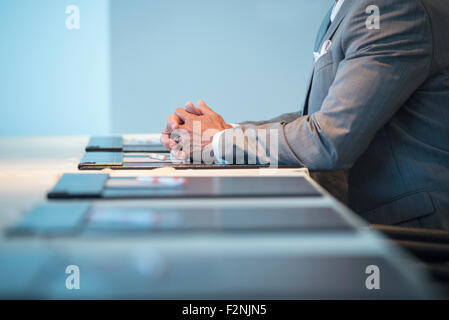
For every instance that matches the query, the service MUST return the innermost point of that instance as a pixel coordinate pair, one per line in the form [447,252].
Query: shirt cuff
[216,144]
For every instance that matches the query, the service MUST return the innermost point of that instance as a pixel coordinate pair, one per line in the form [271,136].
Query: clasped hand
[191,130]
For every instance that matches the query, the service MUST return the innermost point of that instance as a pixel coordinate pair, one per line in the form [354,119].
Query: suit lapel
[330,32]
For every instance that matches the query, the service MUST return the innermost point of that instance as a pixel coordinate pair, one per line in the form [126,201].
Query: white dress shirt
[336,9]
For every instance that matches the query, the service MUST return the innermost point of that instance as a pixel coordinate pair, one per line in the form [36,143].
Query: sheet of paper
[149,158]
[146,182]
[143,160]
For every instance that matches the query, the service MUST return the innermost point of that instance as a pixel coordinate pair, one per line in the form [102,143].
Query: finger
[204,108]
[190,107]
[165,130]
[165,141]
[183,114]
[173,122]
[178,154]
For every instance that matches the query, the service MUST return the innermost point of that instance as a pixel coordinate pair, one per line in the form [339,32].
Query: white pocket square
[324,49]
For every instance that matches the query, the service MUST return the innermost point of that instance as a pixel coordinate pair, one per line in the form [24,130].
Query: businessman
[377,109]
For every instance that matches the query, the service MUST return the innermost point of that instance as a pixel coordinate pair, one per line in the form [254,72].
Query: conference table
[296,264]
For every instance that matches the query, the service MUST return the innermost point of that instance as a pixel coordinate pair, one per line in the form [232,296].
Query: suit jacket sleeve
[380,71]
[286,117]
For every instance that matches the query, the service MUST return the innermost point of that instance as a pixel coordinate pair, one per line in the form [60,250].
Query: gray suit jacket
[378,107]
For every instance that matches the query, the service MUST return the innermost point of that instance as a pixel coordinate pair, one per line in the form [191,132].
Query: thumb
[204,108]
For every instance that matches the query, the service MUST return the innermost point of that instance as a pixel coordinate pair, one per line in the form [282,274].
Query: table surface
[30,166]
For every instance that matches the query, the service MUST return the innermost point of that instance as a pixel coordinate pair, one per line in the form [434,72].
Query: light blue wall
[53,80]
[134,62]
[248,59]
